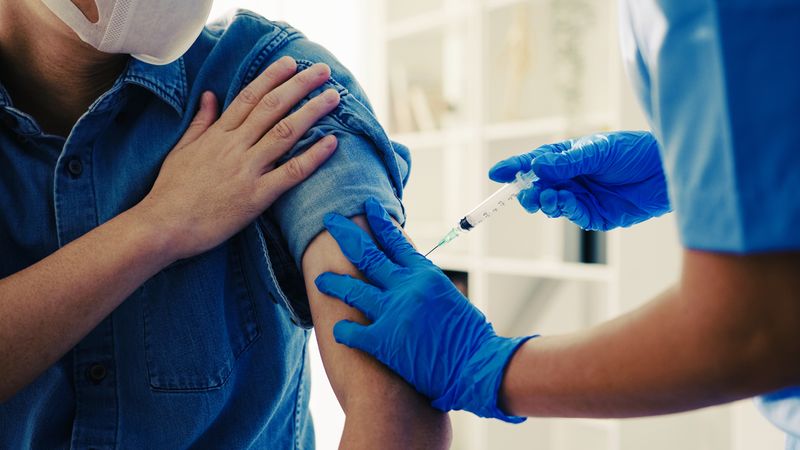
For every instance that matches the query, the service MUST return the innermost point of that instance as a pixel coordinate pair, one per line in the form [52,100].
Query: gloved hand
[599,182]
[422,327]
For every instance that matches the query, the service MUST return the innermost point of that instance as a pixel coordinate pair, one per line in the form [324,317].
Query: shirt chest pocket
[199,318]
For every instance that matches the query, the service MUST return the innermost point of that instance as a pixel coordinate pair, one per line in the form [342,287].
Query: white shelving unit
[465,83]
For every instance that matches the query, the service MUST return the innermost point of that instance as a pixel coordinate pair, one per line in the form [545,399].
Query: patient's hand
[222,174]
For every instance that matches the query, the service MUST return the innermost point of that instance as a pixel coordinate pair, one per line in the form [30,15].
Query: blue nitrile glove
[422,327]
[599,182]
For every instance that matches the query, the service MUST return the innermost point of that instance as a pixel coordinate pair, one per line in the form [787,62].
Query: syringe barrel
[496,201]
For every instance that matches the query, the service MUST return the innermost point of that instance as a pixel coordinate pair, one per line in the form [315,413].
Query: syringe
[489,206]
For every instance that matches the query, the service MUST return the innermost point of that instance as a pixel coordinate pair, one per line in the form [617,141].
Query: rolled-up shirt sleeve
[365,164]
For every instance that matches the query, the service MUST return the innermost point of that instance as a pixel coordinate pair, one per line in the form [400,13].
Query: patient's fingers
[273,184]
[205,117]
[282,137]
[274,75]
[277,103]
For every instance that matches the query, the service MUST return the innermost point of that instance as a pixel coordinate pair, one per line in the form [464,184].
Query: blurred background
[465,83]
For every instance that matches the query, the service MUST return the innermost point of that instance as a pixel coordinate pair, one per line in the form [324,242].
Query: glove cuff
[477,388]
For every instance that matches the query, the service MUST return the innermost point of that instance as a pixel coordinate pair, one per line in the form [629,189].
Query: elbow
[755,352]
[746,317]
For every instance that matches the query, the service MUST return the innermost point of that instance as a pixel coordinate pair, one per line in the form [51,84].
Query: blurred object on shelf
[460,280]
[538,302]
[401,107]
[454,77]
[518,56]
[416,83]
[421,109]
[571,19]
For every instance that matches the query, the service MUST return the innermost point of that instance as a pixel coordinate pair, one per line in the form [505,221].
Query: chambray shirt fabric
[718,81]
[210,352]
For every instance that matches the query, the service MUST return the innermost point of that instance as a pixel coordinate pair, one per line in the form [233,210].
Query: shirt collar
[167,82]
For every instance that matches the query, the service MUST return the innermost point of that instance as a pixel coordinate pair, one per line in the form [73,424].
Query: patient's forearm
[380,407]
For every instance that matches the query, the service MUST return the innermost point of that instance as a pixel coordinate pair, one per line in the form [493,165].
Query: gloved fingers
[529,199]
[506,170]
[389,237]
[549,203]
[572,209]
[362,296]
[584,156]
[359,248]
[354,335]
[554,167]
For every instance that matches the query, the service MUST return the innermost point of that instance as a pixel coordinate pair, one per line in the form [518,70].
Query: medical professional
[718,81]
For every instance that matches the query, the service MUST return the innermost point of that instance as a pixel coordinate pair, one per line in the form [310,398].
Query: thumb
[205,117]
[355,336]
[506,170]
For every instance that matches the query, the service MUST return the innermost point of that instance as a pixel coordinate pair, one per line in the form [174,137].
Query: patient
[211,351]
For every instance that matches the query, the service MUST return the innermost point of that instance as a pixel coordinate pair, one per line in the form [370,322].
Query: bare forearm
[46,309]
[723,334]
[381,409]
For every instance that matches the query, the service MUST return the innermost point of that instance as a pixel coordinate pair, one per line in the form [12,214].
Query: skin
[729,330]
[201,197]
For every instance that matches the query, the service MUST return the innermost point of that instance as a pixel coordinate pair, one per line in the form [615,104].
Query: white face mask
[154,31]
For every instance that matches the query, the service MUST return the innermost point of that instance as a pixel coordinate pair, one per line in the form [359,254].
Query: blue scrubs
[719,82]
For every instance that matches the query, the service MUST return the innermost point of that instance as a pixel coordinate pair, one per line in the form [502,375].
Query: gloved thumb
[506,170]
[354,335]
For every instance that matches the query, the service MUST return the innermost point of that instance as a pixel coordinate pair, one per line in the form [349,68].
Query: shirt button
[97,373]
[75,167]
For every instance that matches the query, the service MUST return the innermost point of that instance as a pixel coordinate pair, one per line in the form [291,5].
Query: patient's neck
[49,72]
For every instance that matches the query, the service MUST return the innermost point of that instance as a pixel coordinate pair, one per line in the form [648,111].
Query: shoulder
[237,47]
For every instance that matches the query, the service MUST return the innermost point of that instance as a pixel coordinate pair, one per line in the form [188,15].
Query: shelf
[525,128]
[548,126]
[421,23]
[554,270]
[491,5]
[417,24]
[452,262]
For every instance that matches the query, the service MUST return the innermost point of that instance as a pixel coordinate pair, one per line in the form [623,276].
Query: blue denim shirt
[210,352]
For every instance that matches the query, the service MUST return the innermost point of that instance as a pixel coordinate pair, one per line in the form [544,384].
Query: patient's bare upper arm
[380,407]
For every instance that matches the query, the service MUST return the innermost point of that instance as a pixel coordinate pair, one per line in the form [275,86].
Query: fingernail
[331,141]
[331,96]
[288,62]
[322,69]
